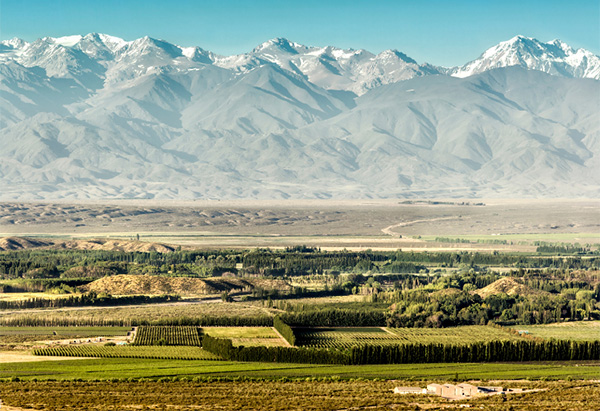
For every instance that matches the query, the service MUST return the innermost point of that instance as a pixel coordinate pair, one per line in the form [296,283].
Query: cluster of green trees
[557,281]
[199,321]
[224,348]
[420,308]
[490,351]
[554,295]
[97,263]
[333,317]
[291,262]
[83,300]
[285,330]
[544,247]
[43,285]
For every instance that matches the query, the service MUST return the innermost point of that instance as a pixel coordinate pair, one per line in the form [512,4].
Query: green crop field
[343,337]
[348,337]
[168,335]
[576,330]
[153,352]
[454,335]
[124,368]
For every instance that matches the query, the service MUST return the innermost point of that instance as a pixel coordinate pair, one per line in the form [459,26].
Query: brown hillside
[21,243]
[149,284]
[510,286]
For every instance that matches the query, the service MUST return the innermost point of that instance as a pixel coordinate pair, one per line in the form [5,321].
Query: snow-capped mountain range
[96,116]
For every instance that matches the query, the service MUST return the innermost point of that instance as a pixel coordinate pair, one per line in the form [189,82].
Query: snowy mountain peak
[395,55]
[329,67]
[148,45]
[554,57]
[280,44]
[519,38]
[110,42]
[14,43]
[67,41]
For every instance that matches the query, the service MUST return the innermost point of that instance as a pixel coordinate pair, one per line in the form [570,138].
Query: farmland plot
[168,335]
[342,338]
[150,352]
[573,330]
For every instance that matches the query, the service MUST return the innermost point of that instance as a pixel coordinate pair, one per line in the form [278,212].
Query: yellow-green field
[577,331]
[247,336]
[27,296]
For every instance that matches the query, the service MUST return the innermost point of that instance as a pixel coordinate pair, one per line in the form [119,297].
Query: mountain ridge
[96,116]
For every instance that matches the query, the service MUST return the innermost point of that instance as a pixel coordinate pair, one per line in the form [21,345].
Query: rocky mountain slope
[98,117]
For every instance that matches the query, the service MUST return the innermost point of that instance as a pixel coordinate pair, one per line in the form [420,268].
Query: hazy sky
[434,31]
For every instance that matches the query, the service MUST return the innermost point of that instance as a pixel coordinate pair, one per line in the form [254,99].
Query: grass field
[348,337]
[578,331]
[123,368]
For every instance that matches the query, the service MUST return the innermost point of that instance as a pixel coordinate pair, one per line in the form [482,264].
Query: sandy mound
[148,284]
[116,245]
[21,243]
[510,286]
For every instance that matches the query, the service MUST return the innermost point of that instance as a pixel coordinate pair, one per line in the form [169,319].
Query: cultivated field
[577,331]
[247,336]
[129,351]
[125,315]
[125,368]
[168,335]
[11,337]
[346,337]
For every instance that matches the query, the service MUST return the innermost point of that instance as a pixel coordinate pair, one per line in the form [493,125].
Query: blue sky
[439,32]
